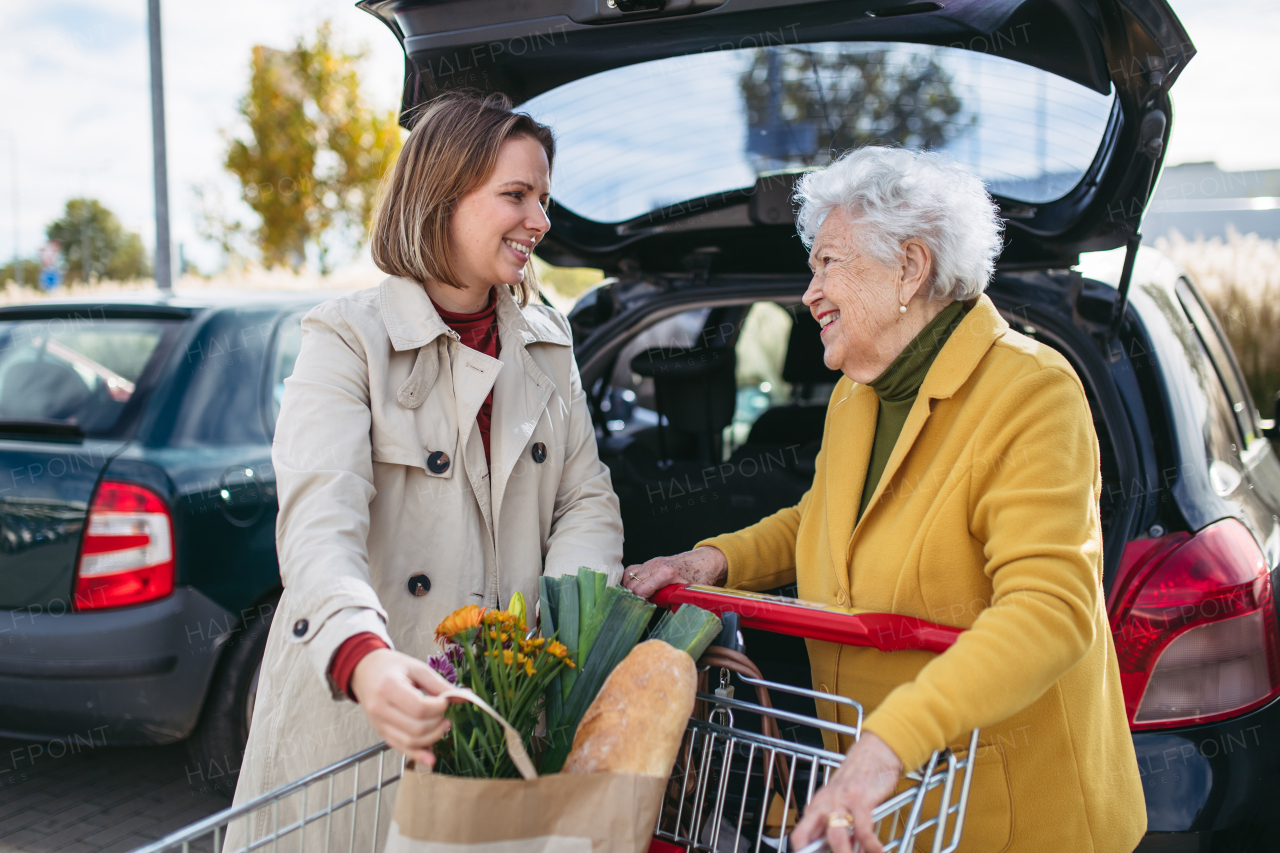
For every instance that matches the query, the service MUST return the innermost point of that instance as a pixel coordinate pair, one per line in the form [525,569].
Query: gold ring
[842,820]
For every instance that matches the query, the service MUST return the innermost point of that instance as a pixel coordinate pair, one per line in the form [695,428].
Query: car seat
[41,390]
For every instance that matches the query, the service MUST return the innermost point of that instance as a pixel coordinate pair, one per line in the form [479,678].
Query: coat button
[438,462]
[300,627]
[539,452]
[419,585]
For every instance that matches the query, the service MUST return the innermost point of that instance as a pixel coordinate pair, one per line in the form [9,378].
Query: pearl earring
[902,309]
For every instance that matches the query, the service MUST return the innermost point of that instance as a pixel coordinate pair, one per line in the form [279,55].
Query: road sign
[49,254]
[50,278]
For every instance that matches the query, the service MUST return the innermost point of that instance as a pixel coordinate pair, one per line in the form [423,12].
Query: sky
[74,98]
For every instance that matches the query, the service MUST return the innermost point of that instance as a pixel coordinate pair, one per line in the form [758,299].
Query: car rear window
[643,137]
[81,371]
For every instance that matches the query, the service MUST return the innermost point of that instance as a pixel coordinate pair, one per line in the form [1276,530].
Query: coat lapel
[952,368]
[520,394]
[848,441]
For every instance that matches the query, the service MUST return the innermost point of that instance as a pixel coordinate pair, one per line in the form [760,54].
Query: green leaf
[569,625]
[690,629]
[586,607]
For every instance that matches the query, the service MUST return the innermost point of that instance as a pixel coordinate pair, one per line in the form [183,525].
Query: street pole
[164,264]
[13,193]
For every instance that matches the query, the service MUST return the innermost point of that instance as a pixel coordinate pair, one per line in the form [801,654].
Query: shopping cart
[737,789]
[745,772]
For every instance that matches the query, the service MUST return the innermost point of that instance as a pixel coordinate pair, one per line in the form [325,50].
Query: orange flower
[459,622]
[508,657]
[557,649]
[529,670]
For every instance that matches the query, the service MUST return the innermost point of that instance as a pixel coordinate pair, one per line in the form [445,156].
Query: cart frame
[716,758]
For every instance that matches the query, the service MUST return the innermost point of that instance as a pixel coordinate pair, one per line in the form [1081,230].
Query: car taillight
[1195,628]
[126,556]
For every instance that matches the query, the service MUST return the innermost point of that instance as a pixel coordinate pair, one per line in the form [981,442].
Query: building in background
[1202,200]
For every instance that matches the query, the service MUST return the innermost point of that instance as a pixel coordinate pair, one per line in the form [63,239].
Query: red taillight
[1195,628]
[126,556]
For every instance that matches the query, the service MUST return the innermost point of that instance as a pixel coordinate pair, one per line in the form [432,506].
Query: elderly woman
[958,482]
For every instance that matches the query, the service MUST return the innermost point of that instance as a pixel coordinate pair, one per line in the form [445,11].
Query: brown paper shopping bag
[559,813]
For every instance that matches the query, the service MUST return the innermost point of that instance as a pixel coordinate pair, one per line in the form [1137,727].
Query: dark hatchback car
[137,519]
[681,125]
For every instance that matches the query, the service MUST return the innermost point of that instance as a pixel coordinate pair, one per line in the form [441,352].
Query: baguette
[638,719]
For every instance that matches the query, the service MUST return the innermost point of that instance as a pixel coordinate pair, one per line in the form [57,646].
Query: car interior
[711,419]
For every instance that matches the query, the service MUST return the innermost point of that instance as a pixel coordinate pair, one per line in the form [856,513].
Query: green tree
[95,245]
[30,273]
[831,98]
[315,151]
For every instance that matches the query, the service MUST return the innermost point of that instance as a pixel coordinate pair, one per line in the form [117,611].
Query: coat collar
[853,424]
[412,321]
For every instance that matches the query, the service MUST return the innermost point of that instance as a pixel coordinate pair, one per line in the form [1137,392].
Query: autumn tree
[315,151]
[804,105]
[95,244]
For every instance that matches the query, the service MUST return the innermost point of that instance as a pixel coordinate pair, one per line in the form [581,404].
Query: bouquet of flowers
[493,653]
[543,685]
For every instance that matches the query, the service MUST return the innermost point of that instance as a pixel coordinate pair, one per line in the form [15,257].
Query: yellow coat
[986,518]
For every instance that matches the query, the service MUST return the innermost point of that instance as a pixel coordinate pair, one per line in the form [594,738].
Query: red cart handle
[887,632]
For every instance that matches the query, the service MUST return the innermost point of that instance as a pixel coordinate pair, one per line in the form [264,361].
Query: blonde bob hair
[452,149]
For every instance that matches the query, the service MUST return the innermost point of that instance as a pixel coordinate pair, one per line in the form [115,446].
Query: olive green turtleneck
[897,388]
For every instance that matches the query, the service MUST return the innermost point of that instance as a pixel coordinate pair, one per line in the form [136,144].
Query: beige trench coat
[380,384]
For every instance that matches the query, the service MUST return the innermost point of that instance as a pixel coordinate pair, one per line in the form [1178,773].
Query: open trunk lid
[1111,61]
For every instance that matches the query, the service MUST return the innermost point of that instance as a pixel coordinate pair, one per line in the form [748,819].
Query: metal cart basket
[735,788]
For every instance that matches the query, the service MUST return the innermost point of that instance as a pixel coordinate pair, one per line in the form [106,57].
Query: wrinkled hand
[705,565]
[866,779]
[400,696]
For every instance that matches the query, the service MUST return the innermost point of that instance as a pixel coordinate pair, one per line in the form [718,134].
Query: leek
[617,629]
[690,629]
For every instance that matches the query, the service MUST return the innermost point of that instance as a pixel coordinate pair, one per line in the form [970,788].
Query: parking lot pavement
[80,797]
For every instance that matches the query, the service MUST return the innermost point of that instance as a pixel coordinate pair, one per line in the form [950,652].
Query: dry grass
[1240,277]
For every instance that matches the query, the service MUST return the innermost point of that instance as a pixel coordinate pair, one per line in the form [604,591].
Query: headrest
[682,363]
[40,390]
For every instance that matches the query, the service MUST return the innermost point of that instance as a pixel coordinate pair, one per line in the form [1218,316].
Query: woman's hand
[841,810]
[400,696]
[705,565]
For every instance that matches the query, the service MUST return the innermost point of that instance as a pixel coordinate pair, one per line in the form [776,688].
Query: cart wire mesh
[734,790]
[314,813]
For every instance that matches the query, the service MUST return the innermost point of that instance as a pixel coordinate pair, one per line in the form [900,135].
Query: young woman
[434,449]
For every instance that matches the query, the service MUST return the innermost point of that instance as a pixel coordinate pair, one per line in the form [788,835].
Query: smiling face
[857,300]
[495,226]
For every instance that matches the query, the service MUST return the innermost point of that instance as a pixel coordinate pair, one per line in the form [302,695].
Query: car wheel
[216,748]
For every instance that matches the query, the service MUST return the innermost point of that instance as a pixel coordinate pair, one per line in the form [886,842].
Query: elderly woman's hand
[841,810]
[705,565]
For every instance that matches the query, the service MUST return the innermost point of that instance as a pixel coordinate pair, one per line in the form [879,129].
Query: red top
[480,332]
[350,653]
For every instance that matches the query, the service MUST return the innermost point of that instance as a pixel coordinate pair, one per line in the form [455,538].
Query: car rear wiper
[49,428]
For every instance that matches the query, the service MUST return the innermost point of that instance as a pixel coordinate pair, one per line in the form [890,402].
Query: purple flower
[453,654]
[441,664]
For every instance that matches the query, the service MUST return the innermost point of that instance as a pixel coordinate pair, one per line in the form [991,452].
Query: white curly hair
[895,194]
